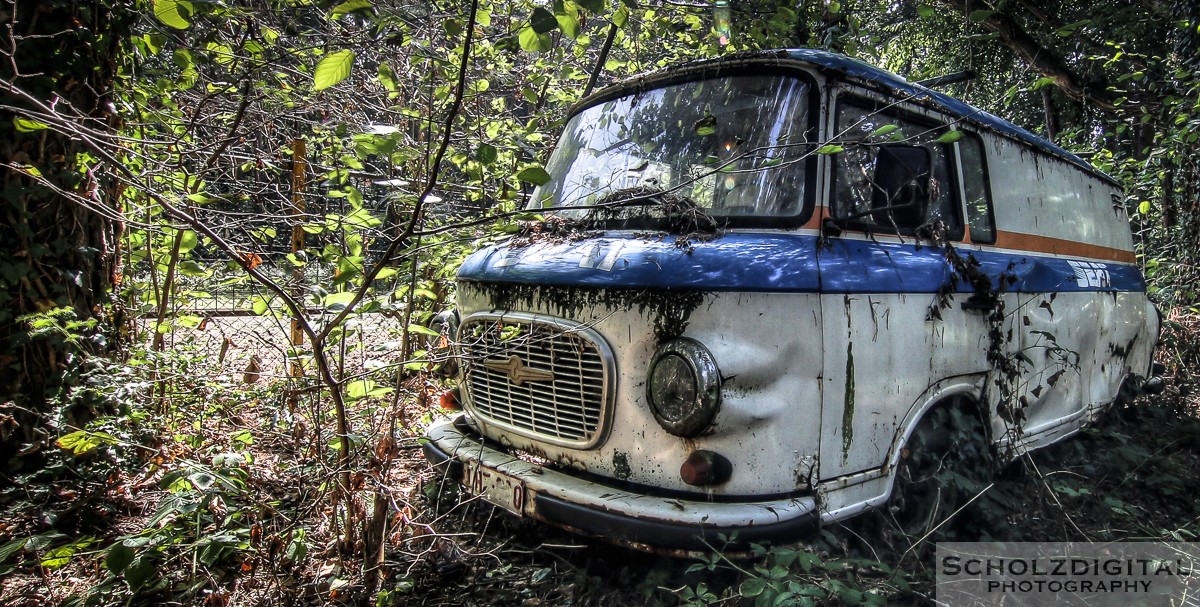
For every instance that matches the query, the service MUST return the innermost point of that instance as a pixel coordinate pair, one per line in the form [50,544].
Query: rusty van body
[779,270]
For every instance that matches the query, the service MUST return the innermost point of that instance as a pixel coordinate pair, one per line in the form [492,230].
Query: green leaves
[61,555]
[388,78]
[535,37]
[25,125]
[542,20]
[752,586]
[534,175]
[621,17]
[568,24]
[358,219]
[119,557]
[336,302]
[486,154]
[1069,30]
[332,69]
[202,480]
[192,268]
[1041,83]
[80,442]
[140,570]
[352,6]
[363,388]
[188,74]
[950,137]
[830,149]
[171,13]
[423,330]
[260,305]
[980,16]
[566,14]
[530,40]
[189,240]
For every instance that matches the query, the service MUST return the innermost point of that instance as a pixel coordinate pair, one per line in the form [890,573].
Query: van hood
[731,262]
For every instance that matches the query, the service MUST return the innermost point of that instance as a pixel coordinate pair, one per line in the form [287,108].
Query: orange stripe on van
[818,217]
[1058,246]
[1019,242]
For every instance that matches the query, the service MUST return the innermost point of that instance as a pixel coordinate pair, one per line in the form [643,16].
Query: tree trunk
[61,228]
[1051,115]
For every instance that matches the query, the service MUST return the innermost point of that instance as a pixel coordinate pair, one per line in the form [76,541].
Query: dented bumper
[685,523]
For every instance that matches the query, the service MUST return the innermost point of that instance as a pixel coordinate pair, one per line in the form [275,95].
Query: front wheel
[943,465]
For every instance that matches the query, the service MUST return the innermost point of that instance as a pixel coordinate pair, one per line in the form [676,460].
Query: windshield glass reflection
[729,147]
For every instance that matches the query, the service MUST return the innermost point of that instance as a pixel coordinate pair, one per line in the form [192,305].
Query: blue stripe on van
[733,262]
[779,263]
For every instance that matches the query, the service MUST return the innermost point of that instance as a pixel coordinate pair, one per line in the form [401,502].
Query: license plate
[496,488]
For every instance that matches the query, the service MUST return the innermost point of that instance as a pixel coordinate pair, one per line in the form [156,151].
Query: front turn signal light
[703,468]
[449,400]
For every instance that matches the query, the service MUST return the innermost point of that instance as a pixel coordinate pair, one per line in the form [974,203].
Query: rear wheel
[943,466]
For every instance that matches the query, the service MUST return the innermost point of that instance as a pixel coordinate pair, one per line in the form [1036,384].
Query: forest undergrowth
[215,492]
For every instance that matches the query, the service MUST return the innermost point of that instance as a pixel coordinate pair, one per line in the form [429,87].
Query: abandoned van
[773,291]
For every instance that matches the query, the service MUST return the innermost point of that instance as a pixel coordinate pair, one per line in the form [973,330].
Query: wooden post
[299,208]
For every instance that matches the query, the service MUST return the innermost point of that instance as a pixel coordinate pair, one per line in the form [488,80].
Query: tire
[943,465]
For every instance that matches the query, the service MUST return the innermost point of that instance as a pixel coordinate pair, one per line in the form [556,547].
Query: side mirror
[901,184]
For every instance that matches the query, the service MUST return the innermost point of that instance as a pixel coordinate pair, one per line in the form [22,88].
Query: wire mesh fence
[250,344]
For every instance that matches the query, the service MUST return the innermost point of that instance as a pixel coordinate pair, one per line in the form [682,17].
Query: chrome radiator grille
[538,378]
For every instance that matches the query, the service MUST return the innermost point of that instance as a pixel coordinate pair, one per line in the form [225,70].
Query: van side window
[975,185]
[863,130]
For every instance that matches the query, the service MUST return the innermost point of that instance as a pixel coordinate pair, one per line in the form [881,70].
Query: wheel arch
[963,391]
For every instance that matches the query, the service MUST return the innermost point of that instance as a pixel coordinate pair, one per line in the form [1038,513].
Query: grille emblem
[517,372]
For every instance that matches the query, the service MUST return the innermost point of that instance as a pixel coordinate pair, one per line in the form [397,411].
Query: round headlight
[684,387]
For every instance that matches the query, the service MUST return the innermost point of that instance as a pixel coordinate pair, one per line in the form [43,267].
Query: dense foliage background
[226,225]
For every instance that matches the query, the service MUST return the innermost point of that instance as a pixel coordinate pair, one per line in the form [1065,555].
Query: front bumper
[617,515]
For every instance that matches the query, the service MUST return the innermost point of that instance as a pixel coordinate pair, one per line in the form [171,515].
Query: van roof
[848,68]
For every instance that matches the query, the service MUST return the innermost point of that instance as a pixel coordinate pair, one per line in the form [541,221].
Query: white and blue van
[775,290]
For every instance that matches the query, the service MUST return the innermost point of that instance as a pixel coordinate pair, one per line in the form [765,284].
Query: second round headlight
[683,386]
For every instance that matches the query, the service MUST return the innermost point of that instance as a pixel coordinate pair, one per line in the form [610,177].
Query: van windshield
[729,147]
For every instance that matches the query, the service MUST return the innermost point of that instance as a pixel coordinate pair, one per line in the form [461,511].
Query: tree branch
[435,172]
[1045,61]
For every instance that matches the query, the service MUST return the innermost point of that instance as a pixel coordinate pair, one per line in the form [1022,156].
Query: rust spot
[848,405]
[621,467]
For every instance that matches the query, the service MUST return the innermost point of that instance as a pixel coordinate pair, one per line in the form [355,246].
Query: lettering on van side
[1090,274]
[511,258]
[596,258]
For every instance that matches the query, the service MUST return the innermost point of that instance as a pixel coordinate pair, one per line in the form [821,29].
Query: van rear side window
[861,130]
[975,186]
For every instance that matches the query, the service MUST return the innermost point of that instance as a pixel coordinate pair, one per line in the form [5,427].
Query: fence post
[299,169]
